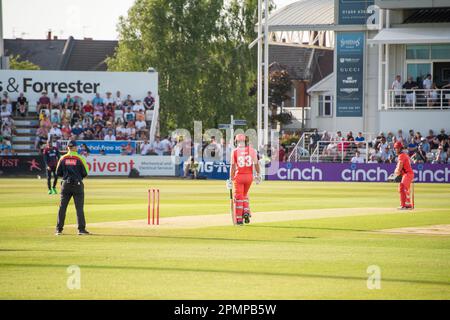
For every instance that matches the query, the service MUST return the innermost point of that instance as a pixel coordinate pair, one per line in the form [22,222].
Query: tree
[200,50]
[279,86]
[16,63]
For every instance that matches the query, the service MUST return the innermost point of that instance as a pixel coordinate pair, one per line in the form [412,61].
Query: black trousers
[49,177]
[69,190]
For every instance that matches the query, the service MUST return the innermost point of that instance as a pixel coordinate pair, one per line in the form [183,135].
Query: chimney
[49,35]
[55,37]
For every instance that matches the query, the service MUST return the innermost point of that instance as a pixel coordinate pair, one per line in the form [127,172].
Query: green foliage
[15,63]
[200,50]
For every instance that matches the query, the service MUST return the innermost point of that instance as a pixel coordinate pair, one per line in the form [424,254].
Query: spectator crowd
[7,127]
[109,117]
[432,148]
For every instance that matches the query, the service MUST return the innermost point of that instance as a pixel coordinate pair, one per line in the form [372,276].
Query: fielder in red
[404,169]
[243,159]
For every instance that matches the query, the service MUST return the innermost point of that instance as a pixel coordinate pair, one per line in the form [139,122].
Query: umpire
[72,168]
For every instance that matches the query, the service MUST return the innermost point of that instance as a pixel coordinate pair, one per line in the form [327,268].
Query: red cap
[398,145]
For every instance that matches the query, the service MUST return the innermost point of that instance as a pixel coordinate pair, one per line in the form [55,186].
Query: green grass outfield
[309,259]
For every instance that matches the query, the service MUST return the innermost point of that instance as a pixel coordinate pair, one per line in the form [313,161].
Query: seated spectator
[6,146]
[6,131]
[55,101]
[5,96]
[97,100]
[441,155]
[432,140]
[191,168]
[425,145]
[109,126]
[145,147]
[149,101]
[66,114]
[77,131]
[41,137]
[109,136]
[157,147]
[45,122]
[129,101]
[357,158]
[433,95]
[442,136]
[98,121]
[373,159]
[314,139]
[166,146]
[55,132]
[118,100]
[410,86]
[141,128]
[138,106]
[390,138]
[120,136]
[129,115]
[76,117]
[120,129]
[43,102]
[412,148]
[55,117]
[84,150]
[87,122]
[88,135]
[420,156]
[109,111]
[131,130]
[66,131]
[88,109]
[4,112]
[140,116]
[400,137]
[68,101]
[127,149]
[99,110]
[387,155]
[410,136]
[98,132]
[109,99]
[22,105]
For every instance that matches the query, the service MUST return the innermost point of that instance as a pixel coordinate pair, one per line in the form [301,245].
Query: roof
[412,35]
[429,15]
[69,54]
[295,60]
[303,15]
[44,53]
[326,84]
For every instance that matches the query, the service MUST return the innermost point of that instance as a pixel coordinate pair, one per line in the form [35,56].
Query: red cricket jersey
[404,158]
[243,158]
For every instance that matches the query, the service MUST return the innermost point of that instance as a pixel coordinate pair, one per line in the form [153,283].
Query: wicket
[153,206]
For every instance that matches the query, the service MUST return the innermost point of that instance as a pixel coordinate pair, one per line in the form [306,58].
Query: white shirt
[108,100]
[110,137]
[118,101]
[397,87]
[356,159]
[138,107]
[157,147]
[140,125]
[165,145]
[55,132]
[427,83]
[145,148]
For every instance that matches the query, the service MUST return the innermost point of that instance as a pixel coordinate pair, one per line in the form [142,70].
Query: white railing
[339,151]
[438,99]
[299,149]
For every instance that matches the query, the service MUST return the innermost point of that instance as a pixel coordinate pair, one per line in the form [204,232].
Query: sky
[97,19]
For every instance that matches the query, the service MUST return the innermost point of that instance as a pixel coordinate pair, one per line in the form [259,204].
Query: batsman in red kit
[243,159]
[404,170]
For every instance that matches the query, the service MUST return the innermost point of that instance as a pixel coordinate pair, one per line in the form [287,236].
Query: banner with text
[122,165]
[110,147]
[353,12]
[349,74]
[84,84]
[346,172]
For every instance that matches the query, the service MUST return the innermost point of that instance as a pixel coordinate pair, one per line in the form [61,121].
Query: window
[325,106]
[440,51]
[418,70]
[418,51]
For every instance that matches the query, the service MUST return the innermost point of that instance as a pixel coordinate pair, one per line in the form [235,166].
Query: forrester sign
[77,83]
